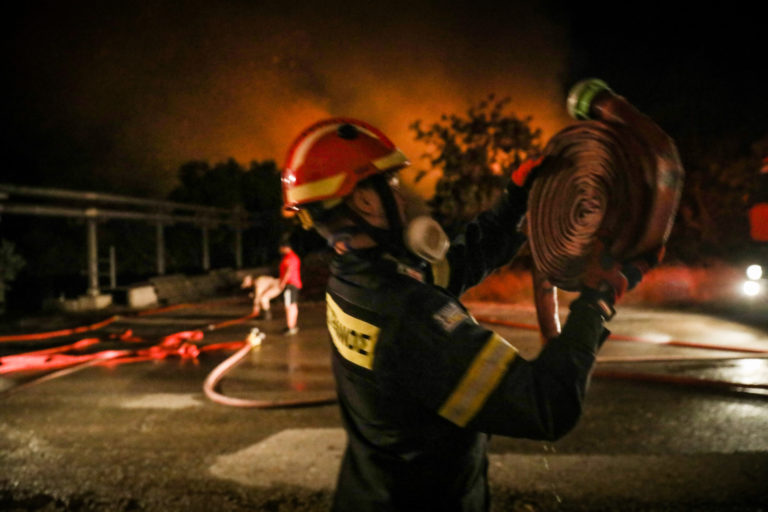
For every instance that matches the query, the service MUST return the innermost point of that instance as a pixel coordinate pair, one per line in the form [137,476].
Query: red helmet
[331,157]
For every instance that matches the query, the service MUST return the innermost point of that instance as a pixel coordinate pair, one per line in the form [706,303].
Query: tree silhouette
[720,185]
[228,184]
[10,264]
[475,154]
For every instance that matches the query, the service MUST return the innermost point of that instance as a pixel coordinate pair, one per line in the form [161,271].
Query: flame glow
[233,79]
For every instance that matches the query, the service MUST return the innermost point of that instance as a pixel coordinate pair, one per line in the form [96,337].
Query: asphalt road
[661,430]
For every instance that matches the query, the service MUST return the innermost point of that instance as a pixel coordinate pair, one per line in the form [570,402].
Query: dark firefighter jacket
[421,384]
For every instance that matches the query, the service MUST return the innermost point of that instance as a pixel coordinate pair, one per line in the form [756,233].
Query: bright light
[751,288]
[754,272]
[751,367]
[655,337]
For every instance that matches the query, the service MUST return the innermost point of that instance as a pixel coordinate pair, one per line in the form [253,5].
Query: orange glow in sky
[216,80]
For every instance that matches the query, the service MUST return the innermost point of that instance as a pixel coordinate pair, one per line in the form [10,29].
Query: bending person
[265,288]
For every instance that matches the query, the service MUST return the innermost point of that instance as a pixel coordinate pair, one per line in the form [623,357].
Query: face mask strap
[384,190]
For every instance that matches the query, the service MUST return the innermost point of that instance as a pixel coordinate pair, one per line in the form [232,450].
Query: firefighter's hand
[636,269]
[525,173]
[605,280]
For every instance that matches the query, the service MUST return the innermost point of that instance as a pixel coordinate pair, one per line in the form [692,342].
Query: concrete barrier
[141,296]
[171,289]
[137,295]
[85,303]
[178,288]
[203,285]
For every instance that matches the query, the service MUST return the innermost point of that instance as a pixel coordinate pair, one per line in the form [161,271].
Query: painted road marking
[310,458]
[305,457]
[163,401]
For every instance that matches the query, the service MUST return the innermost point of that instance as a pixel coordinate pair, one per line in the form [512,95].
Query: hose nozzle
[581,95]
[255,337]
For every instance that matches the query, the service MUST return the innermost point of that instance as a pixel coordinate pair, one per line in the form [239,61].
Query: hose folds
[616,175]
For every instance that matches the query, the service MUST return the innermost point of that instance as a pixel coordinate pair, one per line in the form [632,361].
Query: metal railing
[93,207]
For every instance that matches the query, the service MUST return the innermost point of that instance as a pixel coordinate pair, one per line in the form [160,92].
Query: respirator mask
[419,234]
[422,235]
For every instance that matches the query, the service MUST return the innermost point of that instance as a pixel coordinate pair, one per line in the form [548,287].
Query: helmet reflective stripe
[394,159]
[325,187]
[300,153]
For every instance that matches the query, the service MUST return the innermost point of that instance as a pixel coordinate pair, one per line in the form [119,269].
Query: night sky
[109,96]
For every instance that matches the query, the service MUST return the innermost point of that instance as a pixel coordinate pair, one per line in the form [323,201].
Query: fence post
[238,247]
[206,251]
[93,252]
[237,222]
[112,267]
[160,248]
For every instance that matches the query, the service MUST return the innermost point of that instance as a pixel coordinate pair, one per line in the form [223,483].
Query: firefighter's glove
[523,176]
[641,265]
[603,282]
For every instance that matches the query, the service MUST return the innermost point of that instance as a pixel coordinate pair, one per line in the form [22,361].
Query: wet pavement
[137,434]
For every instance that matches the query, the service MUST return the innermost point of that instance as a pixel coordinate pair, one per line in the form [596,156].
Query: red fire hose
[59,363]
[59,333]
[211,383]
[618,175]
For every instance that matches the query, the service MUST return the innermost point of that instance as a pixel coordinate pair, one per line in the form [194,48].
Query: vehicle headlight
[752,288]
[754,272]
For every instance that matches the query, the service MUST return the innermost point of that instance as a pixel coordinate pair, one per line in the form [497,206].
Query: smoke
[171,82]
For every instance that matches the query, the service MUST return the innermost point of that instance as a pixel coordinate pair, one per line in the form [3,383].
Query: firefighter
[421,385]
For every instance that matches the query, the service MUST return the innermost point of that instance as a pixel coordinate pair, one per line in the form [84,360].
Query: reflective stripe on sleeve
[479,381]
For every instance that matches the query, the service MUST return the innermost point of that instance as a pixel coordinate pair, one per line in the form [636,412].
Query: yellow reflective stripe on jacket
[479,381]
[355,339]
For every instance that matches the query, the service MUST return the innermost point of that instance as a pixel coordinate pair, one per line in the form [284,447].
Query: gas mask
[422,235]
[414,231]
[425,238]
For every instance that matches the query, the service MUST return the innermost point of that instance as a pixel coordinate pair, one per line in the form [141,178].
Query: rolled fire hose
[615,174]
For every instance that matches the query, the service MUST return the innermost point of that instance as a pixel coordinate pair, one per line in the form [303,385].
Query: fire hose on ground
[211,383]
[59,362]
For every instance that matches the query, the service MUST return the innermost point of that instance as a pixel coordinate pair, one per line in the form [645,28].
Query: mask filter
[425,238]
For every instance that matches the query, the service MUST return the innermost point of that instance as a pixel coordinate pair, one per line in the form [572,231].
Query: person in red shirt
[290,283]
